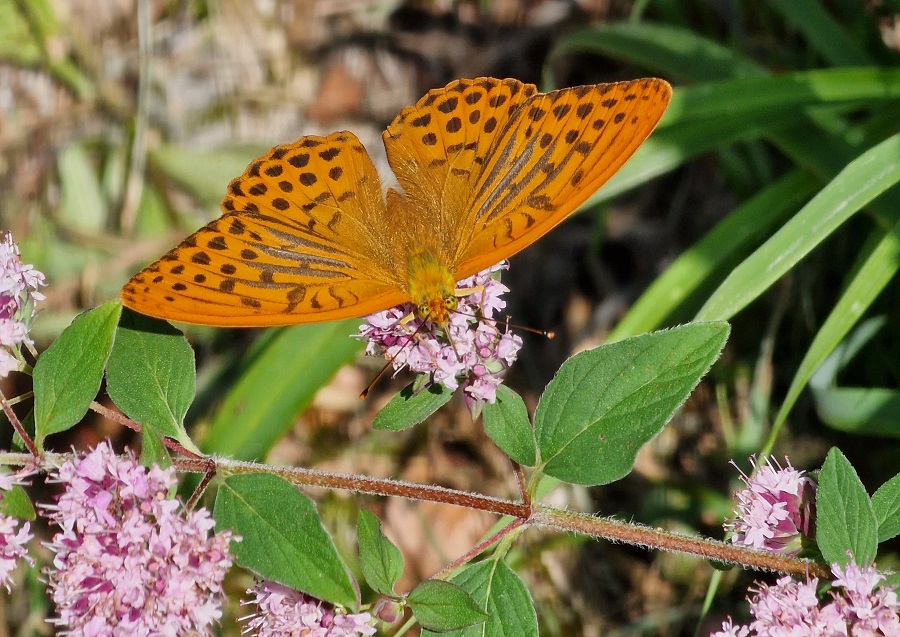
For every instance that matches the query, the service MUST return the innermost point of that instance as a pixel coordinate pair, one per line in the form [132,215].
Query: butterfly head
[438,310]
[432,288]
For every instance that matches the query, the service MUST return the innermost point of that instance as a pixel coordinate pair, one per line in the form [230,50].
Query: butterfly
[485,167]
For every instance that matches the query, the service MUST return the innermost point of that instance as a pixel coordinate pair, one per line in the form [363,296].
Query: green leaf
[282,537]
[605,404]
[441,606]
[845,520]
[886,503]
[506,423]
[150,375]
[17,504]
[503,596]
[380,560]
[67,376]
[862,180]
[877,270]
[279,383]
[409,407]
[153,452]
[742,229]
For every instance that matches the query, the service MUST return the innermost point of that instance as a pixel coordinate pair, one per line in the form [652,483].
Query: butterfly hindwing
[554,152]
[296,244]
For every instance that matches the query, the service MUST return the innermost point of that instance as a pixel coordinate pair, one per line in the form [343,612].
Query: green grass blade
[717,114]
[822,32]
[677,52]
[877,270]
[861,181]
[280,382]
[734,235]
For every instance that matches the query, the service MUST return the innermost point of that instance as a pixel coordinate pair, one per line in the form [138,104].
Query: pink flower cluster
[775,511]
[858,608]
[13,538]
[19,285]
[285,612]
[127,561]
[473,352]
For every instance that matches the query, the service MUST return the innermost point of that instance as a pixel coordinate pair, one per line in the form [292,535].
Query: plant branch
[535,514]
[631,533]
[17,425]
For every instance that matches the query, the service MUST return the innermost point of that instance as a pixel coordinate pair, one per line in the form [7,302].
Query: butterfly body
[485,168]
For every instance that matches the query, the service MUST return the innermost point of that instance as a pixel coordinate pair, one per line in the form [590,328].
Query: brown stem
[125,421]
[204,482]
[474,551]
[17,425]
[659,539]
[115,416]
[520,480]
[538,515]
[366,484]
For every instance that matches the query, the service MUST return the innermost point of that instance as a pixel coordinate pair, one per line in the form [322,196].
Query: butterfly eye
[451,302]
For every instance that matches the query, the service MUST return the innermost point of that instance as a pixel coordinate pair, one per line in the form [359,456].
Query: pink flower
[285,612]
[19,285]
[775,512]
[858,608]
[12,537]
[127,561]
[473,352]
[868,608]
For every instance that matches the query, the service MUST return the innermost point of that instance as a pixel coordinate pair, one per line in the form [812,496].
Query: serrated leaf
[67,376]
[408,408]
[506,423]
[380,561]
[845,520]
[441,606]
[605,404]
[17,504]
[503,596]
[282,537]
[886,504]
[151,376]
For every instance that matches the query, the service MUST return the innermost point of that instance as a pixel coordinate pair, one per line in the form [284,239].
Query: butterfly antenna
[389,364]
[365,392]
[546,333]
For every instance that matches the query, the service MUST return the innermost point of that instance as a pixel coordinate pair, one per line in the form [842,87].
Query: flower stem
[17,425]
[478,548]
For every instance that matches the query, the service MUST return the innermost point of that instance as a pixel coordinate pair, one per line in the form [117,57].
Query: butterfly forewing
[298,243]
[551,155]
[437,147]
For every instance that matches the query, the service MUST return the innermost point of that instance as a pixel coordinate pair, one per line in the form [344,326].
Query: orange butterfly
[486,167]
